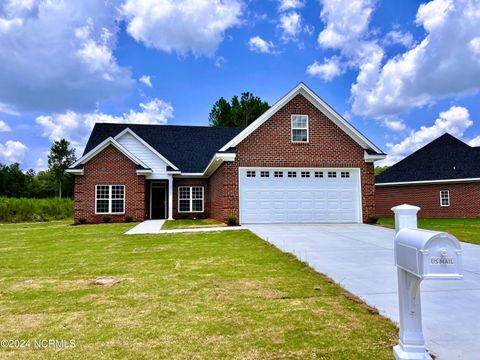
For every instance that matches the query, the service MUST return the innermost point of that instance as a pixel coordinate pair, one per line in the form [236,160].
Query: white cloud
[59,54]
[257,44]
[146,80]
[475,141]
[454,121]
[346,30]
[346,22]
[290,25]
[13,151]
[329,69]
[290,4]
[182,26]
[394,125]
[4,126]
[444,64]
[75,127]
[397,37]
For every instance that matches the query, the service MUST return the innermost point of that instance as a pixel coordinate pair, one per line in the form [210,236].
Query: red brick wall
[191,182]
[464,199]
[270,145]
[109,167]
[217,194]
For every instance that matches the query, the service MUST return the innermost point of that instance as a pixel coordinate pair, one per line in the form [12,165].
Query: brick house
[442,178]
[298,162]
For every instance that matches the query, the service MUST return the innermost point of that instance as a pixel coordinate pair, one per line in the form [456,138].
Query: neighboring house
[442,178]
[298,162]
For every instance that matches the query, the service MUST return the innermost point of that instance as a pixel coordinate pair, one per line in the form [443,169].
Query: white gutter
[427,182]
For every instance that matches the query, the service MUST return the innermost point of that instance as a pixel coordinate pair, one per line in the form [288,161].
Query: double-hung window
[444,198]
[110,199]
[299,128]
[190,199]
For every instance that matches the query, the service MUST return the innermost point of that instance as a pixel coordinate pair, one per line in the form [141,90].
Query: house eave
[429,182]
[218,160]
[373,157]
[75,171]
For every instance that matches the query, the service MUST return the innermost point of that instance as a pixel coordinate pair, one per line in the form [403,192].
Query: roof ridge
[167,125]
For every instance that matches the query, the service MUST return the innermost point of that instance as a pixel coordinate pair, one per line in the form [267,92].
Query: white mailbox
[419,254]
[428,254]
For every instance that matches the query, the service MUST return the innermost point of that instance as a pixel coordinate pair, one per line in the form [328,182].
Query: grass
[26,210]
[467,230]
[219,295]
[190,223]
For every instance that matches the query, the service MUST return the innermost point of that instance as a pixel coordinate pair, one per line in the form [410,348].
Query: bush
[129,218]
[183,216]
[373,219]
[26,209]
[82,220]
[107,218]
[231,220]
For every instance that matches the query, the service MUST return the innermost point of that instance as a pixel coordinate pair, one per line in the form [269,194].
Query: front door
[158,202]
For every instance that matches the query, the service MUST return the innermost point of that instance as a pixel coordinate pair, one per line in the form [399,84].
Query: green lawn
[467,230]
[213,295]
[191,223]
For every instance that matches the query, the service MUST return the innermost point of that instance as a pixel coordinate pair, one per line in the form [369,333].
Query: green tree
[380,169]
[60,158]
[238,112]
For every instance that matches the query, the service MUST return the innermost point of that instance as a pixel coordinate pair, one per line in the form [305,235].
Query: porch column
[170,198]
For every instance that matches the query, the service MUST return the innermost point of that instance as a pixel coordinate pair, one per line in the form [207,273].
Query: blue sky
[403,72]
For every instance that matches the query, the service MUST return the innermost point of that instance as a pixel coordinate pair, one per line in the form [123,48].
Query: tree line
[49,183]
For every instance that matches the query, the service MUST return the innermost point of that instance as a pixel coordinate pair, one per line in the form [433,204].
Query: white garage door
[270,195]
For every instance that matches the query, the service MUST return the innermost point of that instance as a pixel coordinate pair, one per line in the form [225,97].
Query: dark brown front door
[158,202]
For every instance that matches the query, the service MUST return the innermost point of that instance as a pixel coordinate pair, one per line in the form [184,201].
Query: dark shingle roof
[444,158]
[190,148]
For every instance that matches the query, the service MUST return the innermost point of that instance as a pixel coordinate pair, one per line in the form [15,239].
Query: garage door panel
[309,199]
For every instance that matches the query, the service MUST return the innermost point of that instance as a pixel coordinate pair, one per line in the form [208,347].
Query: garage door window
[109,199]
[278,174]
[332,174]
[444,198]
[305,174]
[292,174]
[190,198]
[250,173]
[345,174]
[319,174]
[264,173]
[299,128]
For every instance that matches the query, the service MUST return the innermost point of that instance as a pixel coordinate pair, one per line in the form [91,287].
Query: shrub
[183,216]
[129,218]
[25,209]
[373,219]
[82,220]
[107,218]
[231,220]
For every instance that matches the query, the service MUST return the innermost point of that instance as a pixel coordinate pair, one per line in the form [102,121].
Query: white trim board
[427,182]
[304,90]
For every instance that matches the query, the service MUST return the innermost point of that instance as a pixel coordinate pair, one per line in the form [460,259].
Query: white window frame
[292,128]
[446,198]
[191,199]
[109,212]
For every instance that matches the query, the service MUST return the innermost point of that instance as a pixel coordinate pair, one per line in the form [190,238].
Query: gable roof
[188,148]
[446,158]
[320,104]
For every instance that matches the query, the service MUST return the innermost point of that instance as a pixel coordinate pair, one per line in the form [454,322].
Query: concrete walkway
[360,258]
[155,227]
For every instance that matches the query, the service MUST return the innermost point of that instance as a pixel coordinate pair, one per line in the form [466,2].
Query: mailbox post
[419,254]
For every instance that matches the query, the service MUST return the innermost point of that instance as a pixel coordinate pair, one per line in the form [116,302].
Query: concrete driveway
[360,258]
